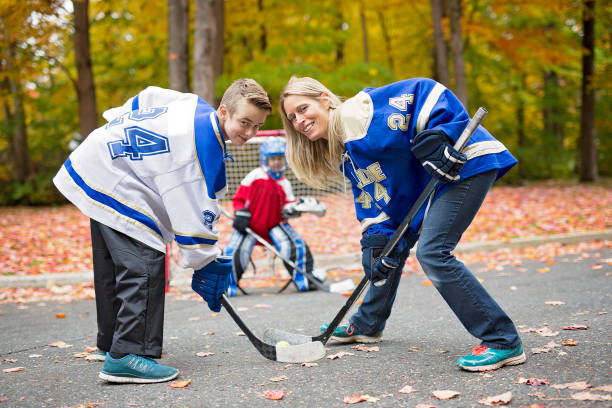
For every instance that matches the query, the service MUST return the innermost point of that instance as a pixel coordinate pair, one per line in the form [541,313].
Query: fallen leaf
[536,382]
[554,302]
[13,370]
[606,388]
[60,315]
[59,344]
[278,379]
[589,396]
[205,353]
[35,355]
[501,399]
[445,394]
[356,398]
[80,355]
[570,342]
[577,386]
[194,318]
[363,347]
[90,349]
[339,355]
[543,270]
[575,327]
[310,364]
[425,406]
[546,332]
[240,334]
[261,306]
[275,394]
[407,389]
[242,309]
[4,399]
[548,347]
[208,334]
[426,283]
[180,384]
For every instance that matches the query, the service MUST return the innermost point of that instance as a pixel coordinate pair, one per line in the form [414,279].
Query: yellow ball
[282,343]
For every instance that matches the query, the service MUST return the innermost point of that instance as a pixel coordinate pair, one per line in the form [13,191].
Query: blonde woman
[389,142]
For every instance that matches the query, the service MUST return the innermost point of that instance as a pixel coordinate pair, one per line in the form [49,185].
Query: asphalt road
[421,343]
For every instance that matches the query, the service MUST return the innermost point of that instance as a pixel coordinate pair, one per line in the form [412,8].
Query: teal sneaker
[484,358]
[136,369]
[347,333]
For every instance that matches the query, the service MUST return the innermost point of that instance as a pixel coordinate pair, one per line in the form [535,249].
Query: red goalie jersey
[264,197]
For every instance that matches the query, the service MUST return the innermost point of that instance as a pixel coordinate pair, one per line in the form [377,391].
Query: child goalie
[263,202]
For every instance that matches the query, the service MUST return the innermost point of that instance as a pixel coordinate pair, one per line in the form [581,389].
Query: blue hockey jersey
[379,125]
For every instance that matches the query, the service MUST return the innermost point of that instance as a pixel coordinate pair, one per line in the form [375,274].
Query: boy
[154,173]
[263,201]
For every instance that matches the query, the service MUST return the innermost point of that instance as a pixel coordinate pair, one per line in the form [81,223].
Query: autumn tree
[207,47]
[588,150]
[86,92]
[178,45]
[440,60]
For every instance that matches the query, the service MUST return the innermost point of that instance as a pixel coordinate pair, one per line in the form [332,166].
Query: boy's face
[276,162]
[243,124]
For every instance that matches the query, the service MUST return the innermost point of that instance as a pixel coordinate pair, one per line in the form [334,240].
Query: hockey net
[336,232]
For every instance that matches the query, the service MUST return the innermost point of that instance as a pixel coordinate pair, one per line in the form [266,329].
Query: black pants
[129,280]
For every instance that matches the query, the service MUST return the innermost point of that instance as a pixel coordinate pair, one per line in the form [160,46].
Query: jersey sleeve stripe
[427,107]
[111,202]
[186,241]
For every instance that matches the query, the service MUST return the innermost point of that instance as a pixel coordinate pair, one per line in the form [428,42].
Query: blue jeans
[448,217]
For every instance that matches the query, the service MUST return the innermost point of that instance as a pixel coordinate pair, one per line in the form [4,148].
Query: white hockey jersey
[154,172]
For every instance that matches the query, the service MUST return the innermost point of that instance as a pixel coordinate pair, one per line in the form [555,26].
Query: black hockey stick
[300,353]
[271,248]
[292,338]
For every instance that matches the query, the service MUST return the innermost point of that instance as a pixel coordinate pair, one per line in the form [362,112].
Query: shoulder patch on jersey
[208,219]
[356,114]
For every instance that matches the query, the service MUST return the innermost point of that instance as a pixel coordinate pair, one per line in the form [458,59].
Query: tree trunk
[86,93]
[440,52]
[456,43]
[364,32]
[386,39]
[263,35]
[178,47]
[15,121]
[520,122]
[207,48]
[552,109]
[339,21]
[588,150]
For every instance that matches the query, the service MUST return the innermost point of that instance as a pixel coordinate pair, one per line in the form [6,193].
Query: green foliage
[509,46]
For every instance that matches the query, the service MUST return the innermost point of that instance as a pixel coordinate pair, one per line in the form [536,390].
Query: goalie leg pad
[240,247]
[284,239]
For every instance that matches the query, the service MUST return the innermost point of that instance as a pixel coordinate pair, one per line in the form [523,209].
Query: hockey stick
[308,275]
[301,353]
[292,338]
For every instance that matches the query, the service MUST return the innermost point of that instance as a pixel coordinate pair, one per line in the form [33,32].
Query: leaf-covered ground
[56,240]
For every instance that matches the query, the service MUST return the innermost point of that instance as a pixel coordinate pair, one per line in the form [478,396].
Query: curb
[181,276]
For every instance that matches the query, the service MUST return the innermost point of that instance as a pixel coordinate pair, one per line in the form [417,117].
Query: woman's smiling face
[309,116]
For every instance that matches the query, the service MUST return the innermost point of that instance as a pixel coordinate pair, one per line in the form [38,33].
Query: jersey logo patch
[208,219]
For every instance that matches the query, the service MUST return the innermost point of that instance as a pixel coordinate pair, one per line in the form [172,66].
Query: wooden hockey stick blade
[300,353]
[276,335]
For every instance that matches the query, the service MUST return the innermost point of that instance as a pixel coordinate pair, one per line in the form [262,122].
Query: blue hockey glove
[242,219]
[212,281]
[383,266]
[437,155]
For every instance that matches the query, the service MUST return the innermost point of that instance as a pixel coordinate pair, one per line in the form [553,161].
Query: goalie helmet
[274,146]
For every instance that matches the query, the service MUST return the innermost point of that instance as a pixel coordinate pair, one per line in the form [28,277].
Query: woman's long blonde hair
[313,162]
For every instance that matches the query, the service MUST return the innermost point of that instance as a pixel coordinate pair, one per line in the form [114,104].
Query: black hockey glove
[437,155]
[242,219]
[383,267]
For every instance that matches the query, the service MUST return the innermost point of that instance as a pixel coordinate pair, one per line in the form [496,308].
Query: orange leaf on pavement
[501,399]
[180,384]
[275,394]
[445,394]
